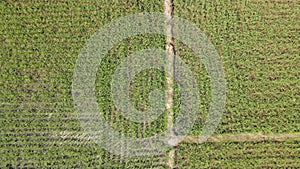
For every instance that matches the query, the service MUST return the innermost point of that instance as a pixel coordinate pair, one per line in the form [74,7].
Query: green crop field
[258,42]
[263,154]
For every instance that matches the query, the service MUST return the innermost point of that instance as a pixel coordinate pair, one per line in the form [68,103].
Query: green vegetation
[145,82]
[257,40]
[262,154]
[40,42]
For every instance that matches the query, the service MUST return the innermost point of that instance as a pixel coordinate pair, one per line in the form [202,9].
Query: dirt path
[171,161]
[170,68]
[170,63]
[241,137]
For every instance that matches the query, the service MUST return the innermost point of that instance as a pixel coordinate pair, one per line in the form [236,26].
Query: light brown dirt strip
[171,162]
[170,63]
[168,13]
[244,137]
[241,138]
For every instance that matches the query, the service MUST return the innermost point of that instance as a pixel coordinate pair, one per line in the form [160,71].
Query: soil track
[241,137]
[170,67]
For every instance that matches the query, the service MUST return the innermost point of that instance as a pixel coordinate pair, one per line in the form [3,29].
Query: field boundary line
[171,157]
[243,137]
[170,49]
[170,62]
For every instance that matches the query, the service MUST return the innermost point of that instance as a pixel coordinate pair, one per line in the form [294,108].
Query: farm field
[257,40]
[260,154]
[258,44]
